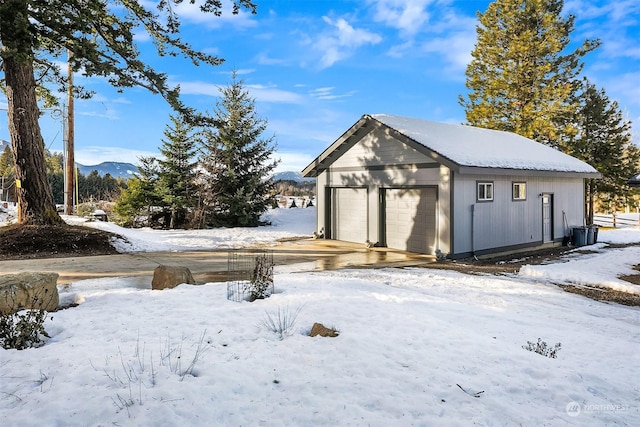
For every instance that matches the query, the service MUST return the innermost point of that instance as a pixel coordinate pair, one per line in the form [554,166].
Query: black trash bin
[590,236]
[579,236]
[595,229]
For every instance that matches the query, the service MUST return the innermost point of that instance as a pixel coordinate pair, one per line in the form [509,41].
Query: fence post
[614,220]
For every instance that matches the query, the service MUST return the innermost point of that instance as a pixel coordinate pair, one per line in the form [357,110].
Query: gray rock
[323,331]
[168,276]
[28,291]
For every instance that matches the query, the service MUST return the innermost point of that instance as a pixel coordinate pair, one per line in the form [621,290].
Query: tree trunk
[35,198]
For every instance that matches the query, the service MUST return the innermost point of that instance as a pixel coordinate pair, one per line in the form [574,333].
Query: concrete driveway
[211,266]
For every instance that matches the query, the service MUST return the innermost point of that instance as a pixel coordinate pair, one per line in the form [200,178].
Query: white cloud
[243,71]
[272,94]
[199,88]
[107,114]
[213,51]
[408,16]
[342,40]
[141,36]
[624,88]
[192,13]
[327,93]
[443,30]
[455,49]
[292,161]
[121,100]
[259,92]
[263,58]
[620,12]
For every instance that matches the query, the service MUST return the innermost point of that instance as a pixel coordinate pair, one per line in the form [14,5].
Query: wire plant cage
[250,275]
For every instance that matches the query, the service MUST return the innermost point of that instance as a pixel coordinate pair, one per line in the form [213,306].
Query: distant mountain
[3,144]
[127,170]
[291,176]
[115,169]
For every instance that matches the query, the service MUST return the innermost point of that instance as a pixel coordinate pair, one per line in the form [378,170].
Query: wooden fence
[617,220]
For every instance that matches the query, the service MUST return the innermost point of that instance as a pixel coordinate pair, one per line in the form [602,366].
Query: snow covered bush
[261,284]
[22,330]
[542,348]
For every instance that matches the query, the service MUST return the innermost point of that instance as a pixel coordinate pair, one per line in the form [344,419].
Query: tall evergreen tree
[99,35]
[521,78]
[238,161]
[177,171]
[604,141]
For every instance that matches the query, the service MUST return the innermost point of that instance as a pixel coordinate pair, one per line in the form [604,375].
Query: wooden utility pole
[70,164]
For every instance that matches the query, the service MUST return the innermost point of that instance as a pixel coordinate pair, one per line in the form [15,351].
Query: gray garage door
[411,219]
[349,214]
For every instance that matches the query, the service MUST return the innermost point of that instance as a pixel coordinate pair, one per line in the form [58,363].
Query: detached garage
[430,188]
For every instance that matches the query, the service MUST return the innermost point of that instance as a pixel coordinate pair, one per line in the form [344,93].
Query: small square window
[519,191]
[485,191]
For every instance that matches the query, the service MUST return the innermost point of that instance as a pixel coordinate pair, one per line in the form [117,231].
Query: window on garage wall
[519,191]
[485,191]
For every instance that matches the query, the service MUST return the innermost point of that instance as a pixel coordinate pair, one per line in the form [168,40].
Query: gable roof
[459,147]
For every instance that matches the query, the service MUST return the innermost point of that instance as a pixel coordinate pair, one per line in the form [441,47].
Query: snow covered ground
[416,347]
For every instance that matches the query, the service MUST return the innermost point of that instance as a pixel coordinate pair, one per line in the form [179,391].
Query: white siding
[505,222]
[377,148]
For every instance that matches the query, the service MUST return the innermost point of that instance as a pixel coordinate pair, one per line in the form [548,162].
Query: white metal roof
[485,148]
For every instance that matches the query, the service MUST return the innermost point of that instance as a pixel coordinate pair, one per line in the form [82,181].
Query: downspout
[473,233]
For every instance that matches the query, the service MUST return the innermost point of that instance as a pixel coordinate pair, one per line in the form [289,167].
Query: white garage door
[411,219]
[349,214]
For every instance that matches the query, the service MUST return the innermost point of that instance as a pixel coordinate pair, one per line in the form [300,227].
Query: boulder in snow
[168,276]
[323,331]
[28,291]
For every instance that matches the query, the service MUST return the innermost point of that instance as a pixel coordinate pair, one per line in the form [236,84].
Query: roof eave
[476,170]
[331,154]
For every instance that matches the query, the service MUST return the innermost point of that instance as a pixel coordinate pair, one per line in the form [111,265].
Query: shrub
[260,285]
[282,322]
[542,348]
[23,329]
[134,376]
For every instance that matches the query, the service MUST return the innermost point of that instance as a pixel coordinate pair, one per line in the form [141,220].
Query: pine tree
[99,38]
[139,199]
[237,161]
[130,203]
[520,78]
[604,141]
[177,171]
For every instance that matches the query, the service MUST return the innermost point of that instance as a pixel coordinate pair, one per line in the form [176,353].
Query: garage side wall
[377,162]
[504,223]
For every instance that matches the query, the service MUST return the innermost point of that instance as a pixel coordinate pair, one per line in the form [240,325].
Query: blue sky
[315,67]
